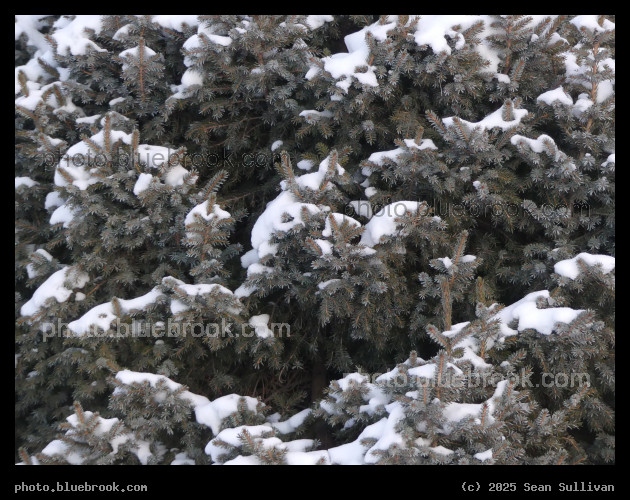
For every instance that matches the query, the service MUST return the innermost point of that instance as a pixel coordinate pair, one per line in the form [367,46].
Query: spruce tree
[283,239]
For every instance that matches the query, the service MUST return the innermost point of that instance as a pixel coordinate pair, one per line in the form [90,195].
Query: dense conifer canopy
[314,239]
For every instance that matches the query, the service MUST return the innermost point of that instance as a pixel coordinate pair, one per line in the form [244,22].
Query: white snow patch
[502,78]
[74,162]
[315,22]
[484,455]
[556,95]
[72,36]
[202,210]
[384,222]
[176,22]
[175,175]
[101,316]
[570,268]
[177,306]
[259,323]
[305,164]
[29,267]
[590,23]
[53,199]
[324,284]
[55,288]
[213,413]
[528,315]
[63,215]
[25,181]
[292,423]
[538,146]
[493,120]
[128,377]
[143,183]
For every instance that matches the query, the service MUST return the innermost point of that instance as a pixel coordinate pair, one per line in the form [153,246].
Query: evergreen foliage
[315,239]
